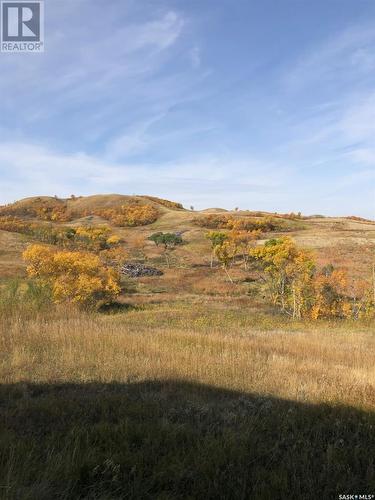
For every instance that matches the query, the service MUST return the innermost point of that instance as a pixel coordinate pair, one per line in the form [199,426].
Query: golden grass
[202,398]
[220,344]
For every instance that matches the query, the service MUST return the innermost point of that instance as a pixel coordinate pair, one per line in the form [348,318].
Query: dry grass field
[191,387]
[221,343]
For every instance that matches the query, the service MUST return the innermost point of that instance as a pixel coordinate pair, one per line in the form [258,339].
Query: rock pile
[136,270]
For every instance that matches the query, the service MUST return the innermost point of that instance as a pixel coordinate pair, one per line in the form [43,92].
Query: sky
[256,104]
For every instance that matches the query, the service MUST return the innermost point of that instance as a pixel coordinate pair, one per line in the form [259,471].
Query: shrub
[212,221]
[81,238]
[76,277]
[131,215]
[264,224]
[358,219]
[50,209]
[169,240]
[220,221]
[95,238]
[165,203]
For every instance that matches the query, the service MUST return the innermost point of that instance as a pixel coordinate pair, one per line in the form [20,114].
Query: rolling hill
[344,242]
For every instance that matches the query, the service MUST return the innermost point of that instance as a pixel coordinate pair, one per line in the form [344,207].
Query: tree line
[292,279]
[290,276]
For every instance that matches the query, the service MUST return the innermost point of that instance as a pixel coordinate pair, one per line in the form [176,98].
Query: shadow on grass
[167,440]
[117,308]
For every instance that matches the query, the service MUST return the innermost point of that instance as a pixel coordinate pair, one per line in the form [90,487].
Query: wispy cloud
[197,181]
[160,98]
[337,132]
[349,55]
[110,64]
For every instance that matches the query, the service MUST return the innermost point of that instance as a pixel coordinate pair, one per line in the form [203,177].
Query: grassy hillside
[190,386]
[343,242]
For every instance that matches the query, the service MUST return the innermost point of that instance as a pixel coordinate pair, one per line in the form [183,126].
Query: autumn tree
[289,271]
[47,209]
[92,238]
[337,296]
[95,237]
[216,238]
[364,300]
[300,290]
[76,277]
[329,295]
[244,241]
[225,253]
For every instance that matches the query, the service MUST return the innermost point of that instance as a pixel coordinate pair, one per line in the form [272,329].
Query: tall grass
[220,345]
[207,399]
[20,298]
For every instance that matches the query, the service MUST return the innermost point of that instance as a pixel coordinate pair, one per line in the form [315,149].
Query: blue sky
[260,104]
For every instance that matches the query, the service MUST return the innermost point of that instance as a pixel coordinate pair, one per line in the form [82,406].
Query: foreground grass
[185,400]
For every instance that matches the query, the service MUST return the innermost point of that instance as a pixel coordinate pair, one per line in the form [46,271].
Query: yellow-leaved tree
[301,291]
[77,277]
[245,241]
[226,253]
[289,272]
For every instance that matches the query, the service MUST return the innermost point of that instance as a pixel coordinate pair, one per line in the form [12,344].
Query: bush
[220,221]
[131,215]
[76,277]
[165,203]
[169,240]
[212,221]
[81,238]
[50,209]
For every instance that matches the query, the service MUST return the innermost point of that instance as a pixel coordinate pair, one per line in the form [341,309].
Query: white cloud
[90,64]
[30,168]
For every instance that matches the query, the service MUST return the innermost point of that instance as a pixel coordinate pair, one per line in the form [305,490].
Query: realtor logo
[22,26]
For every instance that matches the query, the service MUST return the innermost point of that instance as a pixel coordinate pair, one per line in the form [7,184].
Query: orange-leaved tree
[329,299]
[77,277]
